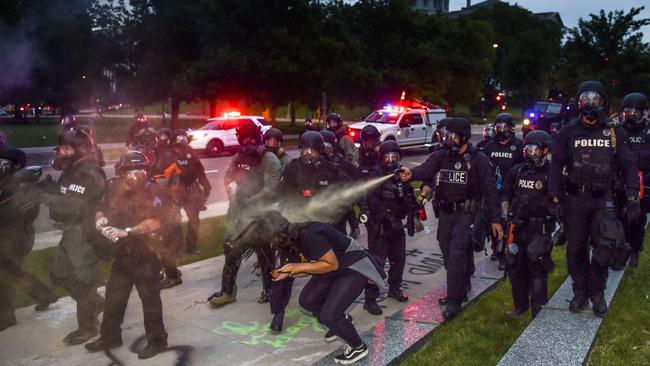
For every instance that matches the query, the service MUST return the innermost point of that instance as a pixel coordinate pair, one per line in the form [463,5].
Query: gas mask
[503,131]
[488,132]
[272,145]
[134,179]
[591,105]
[535,154]
[633,117]
[66,155]
[7,168]
[453,142]
[390,161]
[309,156]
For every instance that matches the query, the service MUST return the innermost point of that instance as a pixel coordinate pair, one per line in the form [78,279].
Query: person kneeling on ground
[340,269]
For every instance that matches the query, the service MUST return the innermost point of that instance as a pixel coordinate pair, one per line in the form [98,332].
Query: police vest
[455,181]
[592,158]
[503,157]
[312,179]
[531,195]
[248,172]
[390,198]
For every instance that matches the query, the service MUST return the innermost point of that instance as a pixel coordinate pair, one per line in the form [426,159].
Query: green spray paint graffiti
[262,334]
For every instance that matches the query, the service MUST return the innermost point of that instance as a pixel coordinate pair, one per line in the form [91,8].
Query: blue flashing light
[531,115]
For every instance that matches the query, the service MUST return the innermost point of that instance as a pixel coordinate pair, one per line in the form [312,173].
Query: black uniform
[136,263]
[503,157]
[592,156]
[388,205]
[639,143]
[19,206]
[463,181]
[136,127]
[192,191]
[349,171]
[526,189]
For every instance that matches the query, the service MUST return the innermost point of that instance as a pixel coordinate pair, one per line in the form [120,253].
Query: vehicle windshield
[264,122]
[545,107]
[382,117]
[209,126]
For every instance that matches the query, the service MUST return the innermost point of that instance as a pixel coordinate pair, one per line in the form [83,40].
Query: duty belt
[584,189]
[469,206]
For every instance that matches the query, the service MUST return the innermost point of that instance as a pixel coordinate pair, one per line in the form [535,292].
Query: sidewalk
[237,334]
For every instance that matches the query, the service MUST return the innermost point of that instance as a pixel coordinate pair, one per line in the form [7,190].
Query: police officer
[273,141]
[526,196]
[634,122]
[309,126]
[334,123]
[388,205]
[369,149]
[251,181]
[72,202]
[19,206]
[166,172]
[308,176]
[141,122]
[593,153]
[346,168]
[193,188]
[463,179]
[504,151]
[146,143]
[131,215]
[68,122]
[488,135]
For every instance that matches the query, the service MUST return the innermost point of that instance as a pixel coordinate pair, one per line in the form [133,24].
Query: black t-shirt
[316,239]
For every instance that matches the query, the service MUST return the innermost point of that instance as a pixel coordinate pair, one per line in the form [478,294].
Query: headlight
[526,122]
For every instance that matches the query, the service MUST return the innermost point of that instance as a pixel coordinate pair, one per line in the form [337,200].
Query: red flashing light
[503,107]
[352,133]
[232,114]
[498,98]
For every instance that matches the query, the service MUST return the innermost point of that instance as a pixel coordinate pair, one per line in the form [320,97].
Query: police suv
[218,134]
[408,126]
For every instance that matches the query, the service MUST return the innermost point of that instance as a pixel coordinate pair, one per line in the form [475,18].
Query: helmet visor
[390,158]
[135,177]
[309,153]
[590,99]
[633,114]
[181,139]
[533,150]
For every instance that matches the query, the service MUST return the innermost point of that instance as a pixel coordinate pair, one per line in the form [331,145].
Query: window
[214,125]
[412,119]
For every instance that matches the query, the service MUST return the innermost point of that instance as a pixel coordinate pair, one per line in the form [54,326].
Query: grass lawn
[107,129]
[482,334]
[624,338]
[39,263]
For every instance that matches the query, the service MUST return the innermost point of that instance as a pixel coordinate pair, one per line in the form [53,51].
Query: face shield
[332,124]
[441,132]
[591,104]
[503,131]
[453,141]
[534,154]
[369,144]
[309,155]
[633,115]
[390,160]
[6,167]
[135,178]
[328,149]
[488,132]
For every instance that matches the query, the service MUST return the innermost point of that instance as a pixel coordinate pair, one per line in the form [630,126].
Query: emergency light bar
[231,114]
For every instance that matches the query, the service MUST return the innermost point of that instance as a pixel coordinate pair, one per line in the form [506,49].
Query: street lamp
[495,45]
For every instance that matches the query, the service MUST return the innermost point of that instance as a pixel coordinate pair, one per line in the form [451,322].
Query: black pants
[580,210]
[172,242]
[329,296]
[389,245]
[192,210]
[231,268]
[453,236]
[635,233]
[127,271]
[12,278]
[529,279]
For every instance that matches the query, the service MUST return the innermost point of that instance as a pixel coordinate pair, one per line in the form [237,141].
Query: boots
[222,298]
[372,307]
[579,302]
[276,323]
[598,304]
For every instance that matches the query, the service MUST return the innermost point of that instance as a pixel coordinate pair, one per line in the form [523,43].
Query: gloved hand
[632,210]
[101,223]
[25,200]
[114,234]
[46,184]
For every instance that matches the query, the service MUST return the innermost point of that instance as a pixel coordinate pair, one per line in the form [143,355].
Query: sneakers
[101,345]
[398,295]
[372,307]
[330,336]
[80,336]
[170,282]
[579,302]
[221,298]
[265,297]
[151,350]
[598,304]
[351,354]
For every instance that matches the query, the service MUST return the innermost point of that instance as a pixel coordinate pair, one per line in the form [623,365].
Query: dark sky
[572,10]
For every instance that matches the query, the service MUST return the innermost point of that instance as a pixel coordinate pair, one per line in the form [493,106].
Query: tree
[607,47]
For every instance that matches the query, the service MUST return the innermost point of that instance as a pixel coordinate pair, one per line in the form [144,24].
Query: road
[214,168]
